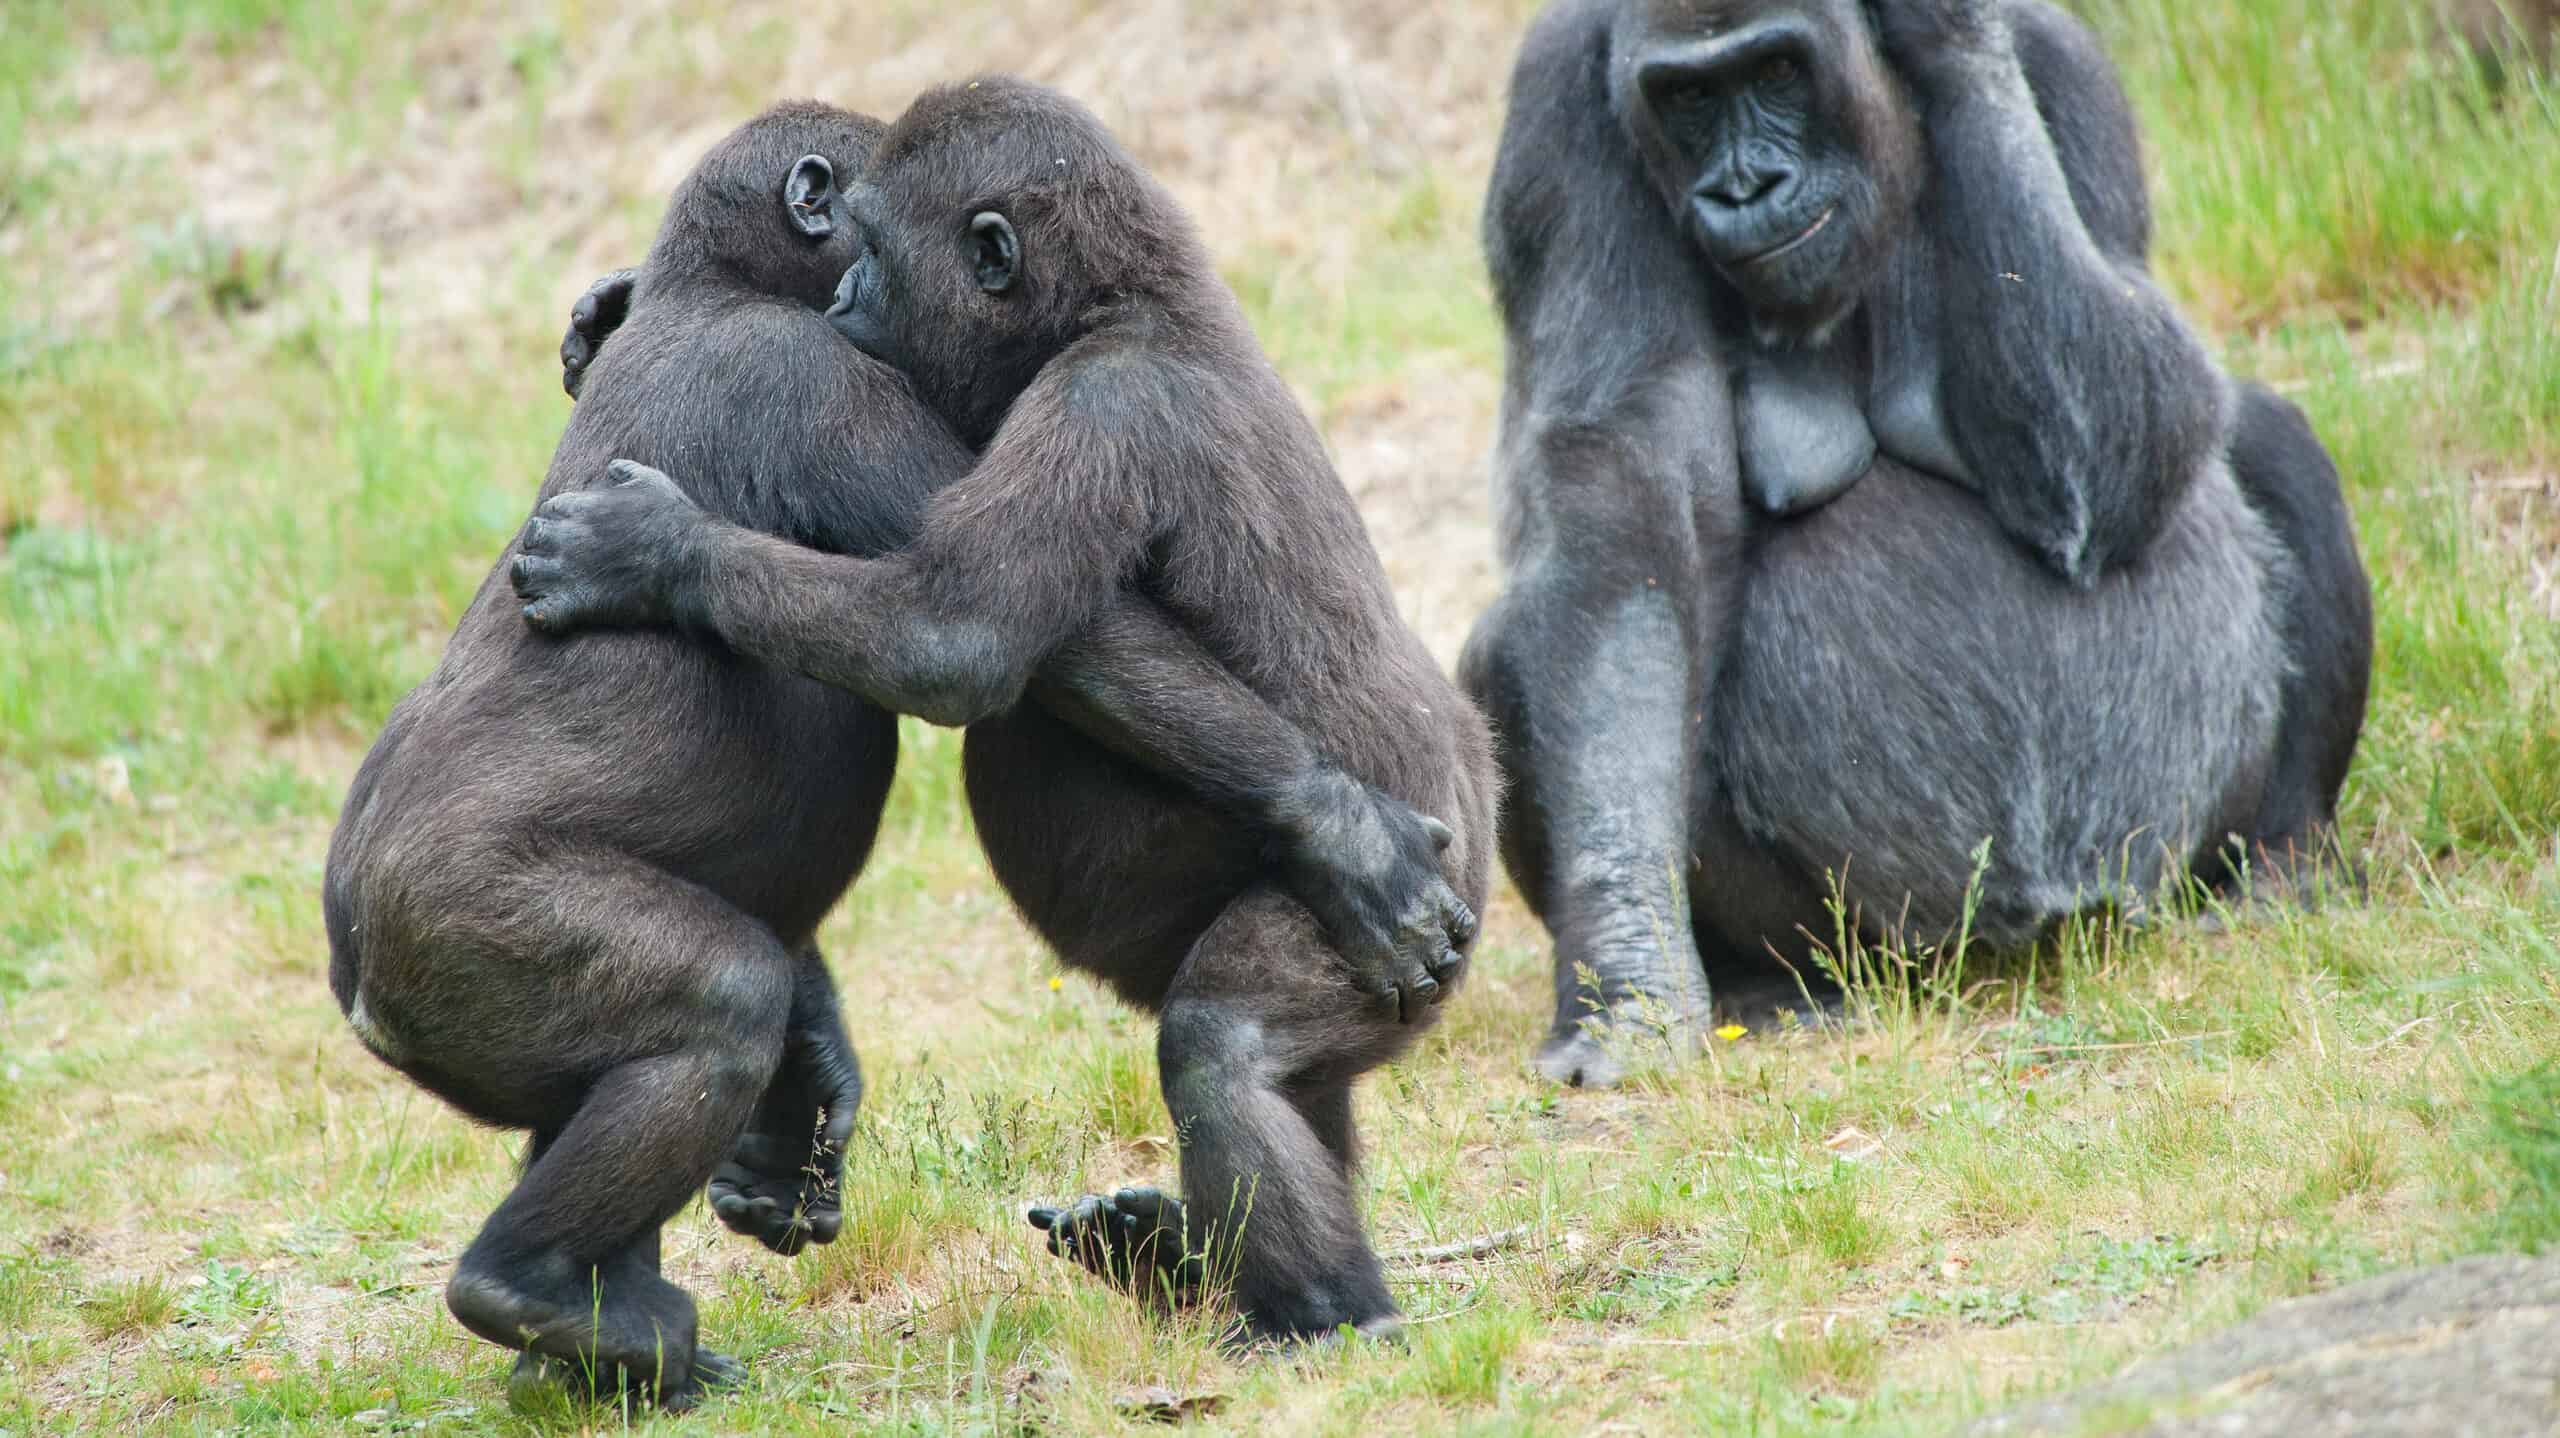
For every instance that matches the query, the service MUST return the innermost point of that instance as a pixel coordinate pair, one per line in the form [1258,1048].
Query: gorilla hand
[1368,868]
[783,1185]
[1941,46]
[598,313]
[611,557]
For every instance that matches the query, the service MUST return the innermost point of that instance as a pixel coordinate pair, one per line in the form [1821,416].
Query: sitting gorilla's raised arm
[1139,684]
[2079,401]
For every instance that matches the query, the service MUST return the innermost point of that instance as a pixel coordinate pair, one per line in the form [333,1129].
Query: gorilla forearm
[2081,459]
[871,626]
[1137,683]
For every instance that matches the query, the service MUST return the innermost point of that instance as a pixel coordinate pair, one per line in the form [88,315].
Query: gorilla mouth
[1783,246]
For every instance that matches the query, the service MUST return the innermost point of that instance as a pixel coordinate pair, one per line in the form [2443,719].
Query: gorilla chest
[1810,422]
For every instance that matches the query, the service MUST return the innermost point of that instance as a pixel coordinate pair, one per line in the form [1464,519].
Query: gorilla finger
[1445,960]
[632,471]
[1460,921]
[824,1224]
[839,1129]
[1442,836]
[1042,1218]
[563,508]
[1388,1001]
[533,575]
[552,614]
[1426,994]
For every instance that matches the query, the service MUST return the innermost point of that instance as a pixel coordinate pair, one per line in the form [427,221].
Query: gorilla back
[575,883]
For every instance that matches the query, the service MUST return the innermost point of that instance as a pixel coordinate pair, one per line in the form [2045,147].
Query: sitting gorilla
[1865,501]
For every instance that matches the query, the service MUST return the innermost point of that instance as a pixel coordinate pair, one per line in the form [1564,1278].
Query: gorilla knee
[1205,1049]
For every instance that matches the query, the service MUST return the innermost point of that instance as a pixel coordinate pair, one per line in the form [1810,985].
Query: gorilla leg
[673,1006]
[1262,1035]
[2327,623]
[1595,730]
[782,1186]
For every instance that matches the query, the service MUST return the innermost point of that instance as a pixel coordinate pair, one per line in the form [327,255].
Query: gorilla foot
[1599,1053]
[783,1192]
[1136,1239]
[607,1333]
[540,1379]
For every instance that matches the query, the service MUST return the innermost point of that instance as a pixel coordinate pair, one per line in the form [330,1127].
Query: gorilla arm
[2072,395]
[1016,583]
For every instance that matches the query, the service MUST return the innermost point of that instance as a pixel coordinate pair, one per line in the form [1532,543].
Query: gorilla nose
[1743,186]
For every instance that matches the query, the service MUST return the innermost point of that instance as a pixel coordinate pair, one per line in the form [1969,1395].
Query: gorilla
[575,884]
[1056,307]
[1863,501]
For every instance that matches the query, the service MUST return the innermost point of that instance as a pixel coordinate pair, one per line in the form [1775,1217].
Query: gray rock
[2468,1350]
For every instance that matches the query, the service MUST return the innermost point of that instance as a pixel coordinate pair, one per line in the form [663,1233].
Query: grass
[254,456]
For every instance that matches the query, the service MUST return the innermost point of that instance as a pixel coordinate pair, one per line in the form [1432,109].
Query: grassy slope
[241,502]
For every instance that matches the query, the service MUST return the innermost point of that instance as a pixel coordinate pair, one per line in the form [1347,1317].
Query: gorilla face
[1784,148]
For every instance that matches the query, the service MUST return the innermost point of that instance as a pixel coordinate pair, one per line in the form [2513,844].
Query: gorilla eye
[1691,95]
[1780,71]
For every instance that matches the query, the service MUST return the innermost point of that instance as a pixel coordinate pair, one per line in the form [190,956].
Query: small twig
[2403,1032]
[2396,369]
[2169,1042]
[1467,1248]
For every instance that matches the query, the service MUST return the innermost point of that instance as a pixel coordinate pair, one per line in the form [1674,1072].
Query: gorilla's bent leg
[782,1186]
[1262,1035]
[2327,623]
[690,1001]
[1595,730]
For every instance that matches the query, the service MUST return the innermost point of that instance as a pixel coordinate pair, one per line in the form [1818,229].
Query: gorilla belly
[1907,682]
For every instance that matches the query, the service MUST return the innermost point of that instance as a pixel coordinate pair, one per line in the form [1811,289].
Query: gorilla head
[982,261]
[765,208]
[1785,148]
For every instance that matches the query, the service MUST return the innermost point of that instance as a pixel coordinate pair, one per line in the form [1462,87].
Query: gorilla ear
[809,197]
[995,252]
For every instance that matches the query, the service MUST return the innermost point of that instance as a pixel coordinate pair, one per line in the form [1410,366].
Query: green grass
[254,468]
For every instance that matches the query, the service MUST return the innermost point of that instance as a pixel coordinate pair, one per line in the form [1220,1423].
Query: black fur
[1758,641]
[1136,441]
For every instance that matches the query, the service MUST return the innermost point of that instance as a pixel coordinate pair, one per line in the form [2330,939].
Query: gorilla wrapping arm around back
[1863,500]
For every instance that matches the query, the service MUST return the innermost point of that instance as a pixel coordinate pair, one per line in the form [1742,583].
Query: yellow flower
[1056,983]
[1730,1032]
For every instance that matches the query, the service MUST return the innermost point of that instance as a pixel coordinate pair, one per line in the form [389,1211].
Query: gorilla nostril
[1741,189]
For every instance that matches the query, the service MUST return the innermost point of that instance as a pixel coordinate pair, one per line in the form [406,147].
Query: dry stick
[2396,369]
[2173,1039]
[1466,1248]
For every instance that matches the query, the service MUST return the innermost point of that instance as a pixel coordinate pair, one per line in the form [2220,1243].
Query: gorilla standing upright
[1864,500]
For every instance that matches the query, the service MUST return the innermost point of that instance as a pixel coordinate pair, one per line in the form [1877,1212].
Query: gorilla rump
[1864,500]
[1053,304]
[575,884]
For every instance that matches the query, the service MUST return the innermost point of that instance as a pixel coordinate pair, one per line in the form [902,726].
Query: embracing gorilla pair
[1052,490]
[1863,500]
